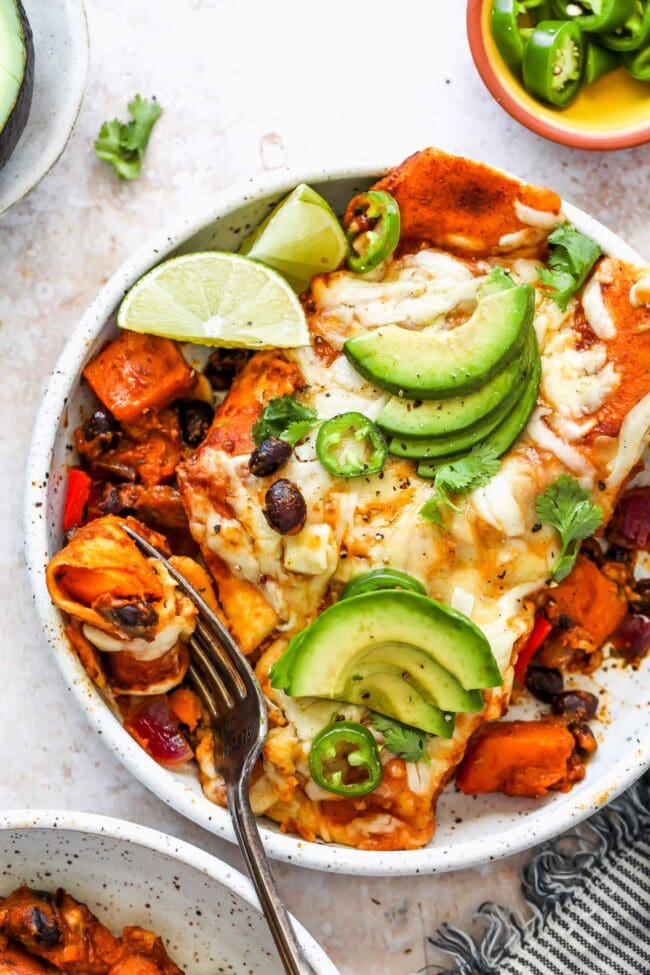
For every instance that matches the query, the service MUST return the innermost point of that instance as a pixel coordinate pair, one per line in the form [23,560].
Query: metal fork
[234,700]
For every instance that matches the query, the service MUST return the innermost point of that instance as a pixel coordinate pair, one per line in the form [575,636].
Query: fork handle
[258,867]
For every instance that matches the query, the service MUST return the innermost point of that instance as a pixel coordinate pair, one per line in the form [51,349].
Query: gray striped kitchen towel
[589,895]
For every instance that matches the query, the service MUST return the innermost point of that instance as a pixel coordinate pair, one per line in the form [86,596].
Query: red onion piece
[630,526]
[153,726]
[632,638]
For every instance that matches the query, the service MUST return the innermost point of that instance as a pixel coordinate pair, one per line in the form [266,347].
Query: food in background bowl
[42,932]
[135,880]
[16,74]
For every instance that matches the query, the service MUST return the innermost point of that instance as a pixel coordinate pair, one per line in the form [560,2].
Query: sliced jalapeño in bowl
[554,61]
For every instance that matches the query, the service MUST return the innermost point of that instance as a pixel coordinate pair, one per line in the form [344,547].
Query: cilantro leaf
[403,741]
[567,507]
[123,144]
[285,419]
[562,284]
[573,256]
[475,469]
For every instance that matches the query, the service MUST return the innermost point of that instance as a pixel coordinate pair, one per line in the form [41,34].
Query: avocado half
[16,74]
[395,652]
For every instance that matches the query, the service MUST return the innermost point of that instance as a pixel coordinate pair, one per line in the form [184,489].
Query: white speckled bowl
[205,911]
[470,830]
[60,69]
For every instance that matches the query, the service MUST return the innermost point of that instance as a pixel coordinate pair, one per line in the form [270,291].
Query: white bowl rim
[523,834]
[158,842]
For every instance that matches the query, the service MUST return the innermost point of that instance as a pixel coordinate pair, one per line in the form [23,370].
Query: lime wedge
[214,298]
[299,238]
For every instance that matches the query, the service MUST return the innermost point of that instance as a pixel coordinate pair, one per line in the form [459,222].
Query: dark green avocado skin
[18,119]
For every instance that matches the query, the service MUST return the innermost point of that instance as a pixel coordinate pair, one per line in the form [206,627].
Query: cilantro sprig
[285,419]
[474,470]
[403,741]
[123,144]
[567,507]
[574,254]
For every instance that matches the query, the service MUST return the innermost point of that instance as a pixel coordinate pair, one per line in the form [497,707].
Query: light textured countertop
[246,87]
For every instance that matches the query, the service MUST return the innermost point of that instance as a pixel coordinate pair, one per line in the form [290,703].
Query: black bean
[224,365]
[616,554]
[584,737]
[578,705]
[44,928]
[195,417]
[113,470]
[111,503]
[100,424]
[592,550]
[134,617]
[544,682]
[43,895]
[640,605]
[269,457]
[285,508]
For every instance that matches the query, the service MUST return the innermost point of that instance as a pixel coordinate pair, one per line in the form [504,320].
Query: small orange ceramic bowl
[611,113]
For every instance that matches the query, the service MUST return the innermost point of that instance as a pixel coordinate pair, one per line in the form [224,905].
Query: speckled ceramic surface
[205,911]
[60,68]
[464,824]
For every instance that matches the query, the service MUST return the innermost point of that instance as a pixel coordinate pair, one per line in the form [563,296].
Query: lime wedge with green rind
[215,298]
[301,237]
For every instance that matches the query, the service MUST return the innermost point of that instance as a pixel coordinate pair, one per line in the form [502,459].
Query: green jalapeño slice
[595,16]
[344,759]
[351,445]
[553,62]
[385,578]
[372,228]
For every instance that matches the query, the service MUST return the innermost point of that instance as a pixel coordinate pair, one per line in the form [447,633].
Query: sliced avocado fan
[395,652]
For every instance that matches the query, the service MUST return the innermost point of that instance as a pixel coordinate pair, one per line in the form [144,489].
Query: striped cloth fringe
[589,894]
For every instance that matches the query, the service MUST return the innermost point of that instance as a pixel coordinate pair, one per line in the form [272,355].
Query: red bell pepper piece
[76,498]
[538,634]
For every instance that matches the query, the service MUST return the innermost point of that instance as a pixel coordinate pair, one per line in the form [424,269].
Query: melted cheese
[415,291]
[576,381]
[542,219]
[595,310]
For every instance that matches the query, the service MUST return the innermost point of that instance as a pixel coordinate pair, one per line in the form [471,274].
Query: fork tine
[204,693]
[203,662]
[220,659]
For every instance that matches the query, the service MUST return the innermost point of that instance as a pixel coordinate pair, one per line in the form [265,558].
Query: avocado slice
[435,418]
[324,656]
[389,694]
[502,437]
[462,440]
[447,362]
[16,74]
[417,668]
